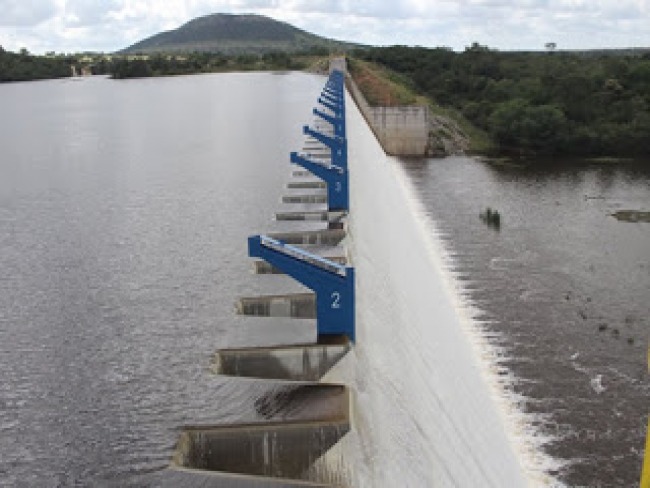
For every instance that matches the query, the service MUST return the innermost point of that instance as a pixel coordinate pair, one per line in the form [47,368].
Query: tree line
[587,104]
[23,66]
[202,62]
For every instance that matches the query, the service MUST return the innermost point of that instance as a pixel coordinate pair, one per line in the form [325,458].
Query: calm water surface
[124,213]
[567,288]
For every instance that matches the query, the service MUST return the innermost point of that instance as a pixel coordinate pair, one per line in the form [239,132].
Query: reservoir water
[124,212]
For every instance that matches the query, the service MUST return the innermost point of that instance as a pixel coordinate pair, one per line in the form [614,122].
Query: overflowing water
[564,290]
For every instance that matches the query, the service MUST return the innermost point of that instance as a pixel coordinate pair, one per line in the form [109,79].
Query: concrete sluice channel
[296,305]
[304,198]
[285,449]
[300,421]
[327,237]
[298,418]
[302,185]
[302,362]
[314,215]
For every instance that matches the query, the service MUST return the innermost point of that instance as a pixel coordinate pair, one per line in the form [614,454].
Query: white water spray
[428,408]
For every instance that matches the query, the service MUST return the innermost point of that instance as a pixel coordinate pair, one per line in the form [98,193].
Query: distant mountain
[235,34]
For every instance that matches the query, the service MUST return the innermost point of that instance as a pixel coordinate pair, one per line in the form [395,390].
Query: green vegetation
[592,104]
[479,140]
[584,104]
[381,87]
[165,65]
[235,35]
[23,66]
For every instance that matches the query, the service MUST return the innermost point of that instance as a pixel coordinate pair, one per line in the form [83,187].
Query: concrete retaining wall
[401,131]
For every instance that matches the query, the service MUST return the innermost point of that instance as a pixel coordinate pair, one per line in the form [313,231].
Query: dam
[135,327]
[397,389]
[133,320]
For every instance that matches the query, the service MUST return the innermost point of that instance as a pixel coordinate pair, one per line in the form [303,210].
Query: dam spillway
[417,360]
[284,448]
[423,413]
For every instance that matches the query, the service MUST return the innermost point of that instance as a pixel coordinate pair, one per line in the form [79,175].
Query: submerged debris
[597,384]
[632,216]
[491,217]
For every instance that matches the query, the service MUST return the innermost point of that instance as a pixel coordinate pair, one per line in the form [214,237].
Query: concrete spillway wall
[424,413]
[401,131]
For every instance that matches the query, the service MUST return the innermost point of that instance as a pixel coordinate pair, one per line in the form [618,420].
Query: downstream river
[564,291]
[124,212]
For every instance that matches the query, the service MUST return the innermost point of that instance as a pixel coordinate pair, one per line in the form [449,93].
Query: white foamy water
[428,409]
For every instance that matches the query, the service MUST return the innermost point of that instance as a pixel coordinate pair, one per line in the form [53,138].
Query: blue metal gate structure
[332,282]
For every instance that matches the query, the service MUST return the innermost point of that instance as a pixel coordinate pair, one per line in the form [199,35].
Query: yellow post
[645,473]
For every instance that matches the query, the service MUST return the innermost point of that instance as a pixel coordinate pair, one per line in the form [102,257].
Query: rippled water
[124,213]
[567,288]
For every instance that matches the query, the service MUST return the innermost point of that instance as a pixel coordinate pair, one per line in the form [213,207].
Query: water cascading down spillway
[302,418]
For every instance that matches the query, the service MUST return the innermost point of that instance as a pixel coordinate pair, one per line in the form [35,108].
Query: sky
[109,25]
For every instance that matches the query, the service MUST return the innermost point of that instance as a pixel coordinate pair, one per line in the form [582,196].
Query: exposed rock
[632,216]
[445,137]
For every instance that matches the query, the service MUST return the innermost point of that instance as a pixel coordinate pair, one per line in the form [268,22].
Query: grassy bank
[384,87]
[380,86]
[585,104]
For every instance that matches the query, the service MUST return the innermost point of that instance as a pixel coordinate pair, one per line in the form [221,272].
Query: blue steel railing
[302,255]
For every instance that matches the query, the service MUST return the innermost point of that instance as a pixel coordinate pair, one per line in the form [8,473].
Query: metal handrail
[303,255]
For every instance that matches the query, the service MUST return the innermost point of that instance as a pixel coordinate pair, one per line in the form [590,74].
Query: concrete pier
[324,216]
[316,149]
[302,185]
[297,305]
[304,421]
[309,362]
[325,237]
[284,450]
[306,198]
[299,173]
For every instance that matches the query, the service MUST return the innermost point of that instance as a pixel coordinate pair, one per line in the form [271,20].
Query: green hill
[236,34]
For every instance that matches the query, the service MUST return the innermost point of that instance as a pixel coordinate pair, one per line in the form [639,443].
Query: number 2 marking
[336,300]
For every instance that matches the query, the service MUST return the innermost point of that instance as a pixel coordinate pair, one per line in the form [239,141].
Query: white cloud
[89,12]
[19,13]
[73,25]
